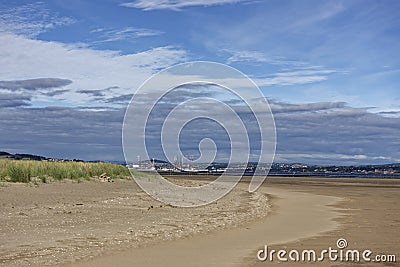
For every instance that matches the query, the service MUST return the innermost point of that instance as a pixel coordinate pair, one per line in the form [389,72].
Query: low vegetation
[27,170]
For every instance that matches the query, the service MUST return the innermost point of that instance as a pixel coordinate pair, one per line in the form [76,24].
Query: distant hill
[4,154]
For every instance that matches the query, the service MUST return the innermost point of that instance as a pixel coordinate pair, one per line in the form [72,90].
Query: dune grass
[25,170]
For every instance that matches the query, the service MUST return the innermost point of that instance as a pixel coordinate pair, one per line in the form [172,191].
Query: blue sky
[330,70]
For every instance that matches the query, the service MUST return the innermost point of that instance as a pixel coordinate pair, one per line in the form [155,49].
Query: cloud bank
[320,133]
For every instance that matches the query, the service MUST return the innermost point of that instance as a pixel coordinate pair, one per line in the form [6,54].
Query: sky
[329,70]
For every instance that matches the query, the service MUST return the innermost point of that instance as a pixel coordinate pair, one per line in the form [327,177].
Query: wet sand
[370,219]
[115,224]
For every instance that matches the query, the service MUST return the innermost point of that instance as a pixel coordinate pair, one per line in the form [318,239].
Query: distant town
[276,169]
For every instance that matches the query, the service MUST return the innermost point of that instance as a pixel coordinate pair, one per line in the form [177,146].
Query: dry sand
[116,224]
[63,222]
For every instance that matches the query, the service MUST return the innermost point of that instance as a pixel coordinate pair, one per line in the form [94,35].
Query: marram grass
[26,170]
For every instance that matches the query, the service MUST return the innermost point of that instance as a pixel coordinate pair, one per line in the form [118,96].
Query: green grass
[25,170]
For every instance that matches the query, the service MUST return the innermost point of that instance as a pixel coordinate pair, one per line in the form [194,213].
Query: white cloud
[293,72]
[247,56]
[389,112]
[324,12]
[289,80]
[296,77]
[305,72]
[88,69]
[30,20]
[254,56]
[127,33]
[176,5]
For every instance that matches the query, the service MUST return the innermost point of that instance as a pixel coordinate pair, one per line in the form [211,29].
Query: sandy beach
[115,224]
